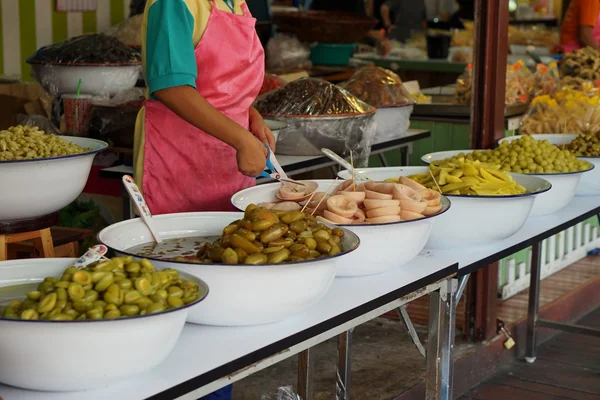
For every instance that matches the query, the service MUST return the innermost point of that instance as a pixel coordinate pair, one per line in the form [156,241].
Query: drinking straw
[78,87]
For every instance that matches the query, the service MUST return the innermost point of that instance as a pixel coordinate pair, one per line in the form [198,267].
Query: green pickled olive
[273,233]
[229,257]
[46,287]
[226,241]
[229,229]
[157,299]
[175,291]
[291,235]
[61,317]
[142,312]
[259,246]
[15,304]
[105,282]
[249,210]
[99,304]
[323,247]
[29,304]
[50,279]
[10,314]
[241,253]
[82,317]
[281,242]
[103,266]
[82,277]
[175,302]
[133,267]
[60,304]
[126,259]
[76,291]
[298,226]
[71,313]
[71,270]
[129,310]
[246,224]
[256,258]
[112,314]
[88,287]
[120,275]
[279,257]
[270,250]
[190,299]
[143,286]
[338,232]
[162,294]
[66,277]
[97,276]
[110,307]
[114,296]
[30,314]
[82,306]
[118,264]
[251,236]
[143,303]
[294,258]
[244,244]
[156,280]
[322,234]
[188,285]
[62,284]
[165,278]
[155,308]
[302,253]
[147,264]
[132,297]
[310,243]
[262,224]
[335,239]
[47,303]
[95,313]
[297,247]
[124,284]
[35,295]
[216,252]
[305,234]
[173,272]
[90,296]
[293,216]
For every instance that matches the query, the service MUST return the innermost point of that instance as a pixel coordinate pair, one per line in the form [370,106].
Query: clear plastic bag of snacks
[283,393]
[464,85]
[378,87]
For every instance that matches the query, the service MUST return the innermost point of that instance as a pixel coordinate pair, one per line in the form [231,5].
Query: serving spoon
[140,204]
[344,164]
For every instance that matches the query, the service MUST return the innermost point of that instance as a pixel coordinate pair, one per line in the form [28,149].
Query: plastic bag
[519,83]
[87,49]
[464,86]
[283,393]
[286,51]
[40,121]
[271,82]
[547,79]
[320,114]
[460,54]
[129,32]
[378,87]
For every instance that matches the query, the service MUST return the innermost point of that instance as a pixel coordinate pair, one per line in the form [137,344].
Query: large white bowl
[95,79]
[33,188]
[589,185]
[563,185]
[473,220]
[80,355]
[383,246]
[239,295]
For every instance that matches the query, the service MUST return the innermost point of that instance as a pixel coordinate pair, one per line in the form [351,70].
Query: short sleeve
[170,58]
[588,13]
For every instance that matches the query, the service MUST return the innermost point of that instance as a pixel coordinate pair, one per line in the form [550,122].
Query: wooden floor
[567,367]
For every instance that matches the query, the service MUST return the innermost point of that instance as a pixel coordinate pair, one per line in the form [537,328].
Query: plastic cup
[77,111]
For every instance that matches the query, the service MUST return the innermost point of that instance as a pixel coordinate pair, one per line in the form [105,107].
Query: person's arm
[171,77]
[586,38]
[588,16]
[259,128]
[385,16]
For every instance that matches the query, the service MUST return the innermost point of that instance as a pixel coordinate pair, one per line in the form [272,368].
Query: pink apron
[186,169]
[596,31]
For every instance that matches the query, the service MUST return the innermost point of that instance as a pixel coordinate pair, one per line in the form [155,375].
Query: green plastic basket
[331,54]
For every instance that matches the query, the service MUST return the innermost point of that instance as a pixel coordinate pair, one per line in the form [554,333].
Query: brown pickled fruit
[273,237]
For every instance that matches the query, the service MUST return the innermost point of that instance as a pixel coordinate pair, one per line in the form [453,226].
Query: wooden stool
[64,240]
[35,229]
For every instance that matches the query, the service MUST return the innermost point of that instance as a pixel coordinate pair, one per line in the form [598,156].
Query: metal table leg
[342,382]
[534,297]
[440,344]
[305,374]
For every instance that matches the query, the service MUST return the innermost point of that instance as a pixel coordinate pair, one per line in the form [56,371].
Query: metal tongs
[275,171]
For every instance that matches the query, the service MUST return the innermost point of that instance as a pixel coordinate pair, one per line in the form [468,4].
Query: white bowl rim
[186,275]
[442,211]
[220,265]
[103,146]
[540,174]
[470,196]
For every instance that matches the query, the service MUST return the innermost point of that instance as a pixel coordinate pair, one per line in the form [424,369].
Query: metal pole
[534,297]
[305,374]
[344,369]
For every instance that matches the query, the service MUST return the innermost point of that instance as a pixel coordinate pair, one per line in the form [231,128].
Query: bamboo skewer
[308,201]
[435,181]
[326,194]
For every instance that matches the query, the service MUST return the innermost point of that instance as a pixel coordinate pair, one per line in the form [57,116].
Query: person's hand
[251,157]
[259,128]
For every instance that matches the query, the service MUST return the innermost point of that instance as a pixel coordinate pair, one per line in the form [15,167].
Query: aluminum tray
[441,106]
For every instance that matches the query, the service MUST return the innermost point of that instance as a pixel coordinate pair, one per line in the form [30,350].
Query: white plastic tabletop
[202,349]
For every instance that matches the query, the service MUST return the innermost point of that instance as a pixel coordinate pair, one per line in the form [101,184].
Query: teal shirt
[169,58]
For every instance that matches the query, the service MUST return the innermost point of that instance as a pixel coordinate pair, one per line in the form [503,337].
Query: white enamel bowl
[239,295]
[563,185]
[589,185]
[79,355]
[383,246]
[473,220]
[33,188]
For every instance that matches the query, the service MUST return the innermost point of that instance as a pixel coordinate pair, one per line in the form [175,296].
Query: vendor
[465,12]
[198,140]
[578,24]
[409,16]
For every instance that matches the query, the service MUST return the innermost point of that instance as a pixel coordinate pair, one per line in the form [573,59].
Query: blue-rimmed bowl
[472,220]
[383,246]
[240,295]
[34,188]
[564,184]
[79,355]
